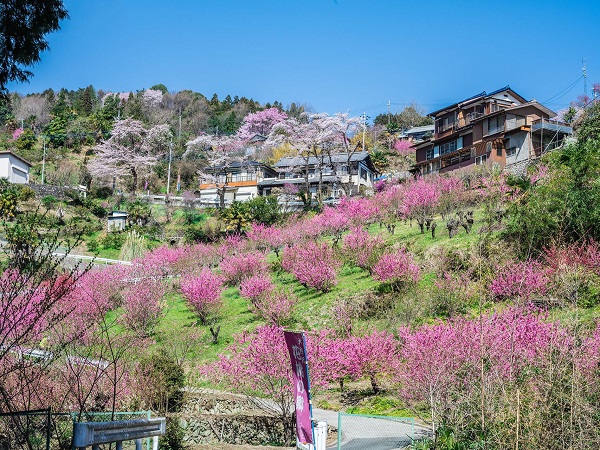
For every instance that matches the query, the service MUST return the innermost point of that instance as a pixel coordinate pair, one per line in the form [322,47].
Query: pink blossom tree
[256,287]
[421,198]
[362,249]
[238,267]
[397,268]
[276,306]
[203,293]
[257,364]
[131,151]
[143,305]
[525,280]
[313,264]
[261,123]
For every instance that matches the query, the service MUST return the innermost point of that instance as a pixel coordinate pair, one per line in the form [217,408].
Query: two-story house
[500,127]
[337,174]
[236,181]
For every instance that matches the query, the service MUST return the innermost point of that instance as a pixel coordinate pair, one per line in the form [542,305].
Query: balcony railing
[554,126]
[232,178]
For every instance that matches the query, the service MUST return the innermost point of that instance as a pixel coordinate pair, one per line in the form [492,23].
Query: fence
[44,430]
[359,431]
[35,430]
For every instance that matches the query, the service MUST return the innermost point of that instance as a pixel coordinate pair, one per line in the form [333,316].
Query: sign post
[296,344]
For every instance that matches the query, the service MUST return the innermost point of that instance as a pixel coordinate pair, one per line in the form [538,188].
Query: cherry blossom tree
[261,123]
[218,152]
[131,151]
[315,138]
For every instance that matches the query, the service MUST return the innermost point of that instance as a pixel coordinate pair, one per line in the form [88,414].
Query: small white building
[14,168]
[117,220]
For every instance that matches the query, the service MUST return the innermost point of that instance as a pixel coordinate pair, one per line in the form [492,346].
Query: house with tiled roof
[501,128]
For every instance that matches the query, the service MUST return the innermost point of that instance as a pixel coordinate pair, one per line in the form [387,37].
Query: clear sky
[333,55]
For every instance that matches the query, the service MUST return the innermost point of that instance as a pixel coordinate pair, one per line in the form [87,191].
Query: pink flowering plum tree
[421,198]
[397,268]
[238,267]
[332,222]
[362,249]
[525,280]
[143,304]
[313,264]
[266,238]
[203,293]
[258,365]
[276,306]
[256,287]
[372,356]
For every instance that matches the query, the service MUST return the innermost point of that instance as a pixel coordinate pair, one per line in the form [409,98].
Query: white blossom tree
[130,152]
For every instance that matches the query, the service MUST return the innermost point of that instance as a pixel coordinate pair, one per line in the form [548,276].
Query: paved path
[361,433]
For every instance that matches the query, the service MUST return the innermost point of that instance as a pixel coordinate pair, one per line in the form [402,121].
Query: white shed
[14,168]
[117,220]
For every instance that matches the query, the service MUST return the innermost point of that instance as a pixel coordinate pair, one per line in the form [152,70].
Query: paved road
[361,433]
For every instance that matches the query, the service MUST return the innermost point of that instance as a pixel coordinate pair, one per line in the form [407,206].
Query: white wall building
[14,168]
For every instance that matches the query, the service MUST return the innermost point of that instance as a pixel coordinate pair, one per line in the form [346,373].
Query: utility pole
[584,79]
[179,133]
[44,159]
[389,115]
[169,169]
[364,130]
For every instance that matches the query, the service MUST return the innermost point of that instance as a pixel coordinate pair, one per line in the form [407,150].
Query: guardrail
[94,434]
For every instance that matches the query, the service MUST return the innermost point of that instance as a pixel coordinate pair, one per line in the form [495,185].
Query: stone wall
[42,190]
[210,416]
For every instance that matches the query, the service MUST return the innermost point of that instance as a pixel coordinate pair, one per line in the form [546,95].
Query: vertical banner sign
[297,347]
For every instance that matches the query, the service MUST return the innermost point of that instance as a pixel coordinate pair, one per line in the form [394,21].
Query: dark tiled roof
[335,158]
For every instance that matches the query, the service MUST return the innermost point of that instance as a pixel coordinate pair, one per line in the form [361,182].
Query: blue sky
[333,55]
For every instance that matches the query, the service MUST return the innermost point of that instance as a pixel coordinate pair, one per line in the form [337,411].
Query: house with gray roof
[334,174]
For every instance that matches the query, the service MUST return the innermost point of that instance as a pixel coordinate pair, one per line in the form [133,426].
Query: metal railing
[94,434]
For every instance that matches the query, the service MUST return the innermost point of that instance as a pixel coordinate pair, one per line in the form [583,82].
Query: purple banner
[297,348]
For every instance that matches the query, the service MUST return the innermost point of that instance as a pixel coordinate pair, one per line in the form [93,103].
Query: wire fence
[360,431]
[44,430]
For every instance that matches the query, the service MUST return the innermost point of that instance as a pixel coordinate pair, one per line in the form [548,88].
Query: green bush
[173,437]
[113,240]
[49,201]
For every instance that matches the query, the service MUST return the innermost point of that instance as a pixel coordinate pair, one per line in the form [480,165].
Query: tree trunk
[215,334]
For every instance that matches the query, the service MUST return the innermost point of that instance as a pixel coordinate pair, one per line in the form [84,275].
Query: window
[498,151]
[511,151]
[448,147]
[481,160]
[429,154]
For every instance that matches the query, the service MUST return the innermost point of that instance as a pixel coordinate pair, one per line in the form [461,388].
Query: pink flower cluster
[203,293]
[396,268]
[313,264]
[236,268]
[361,248]
[524,280]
